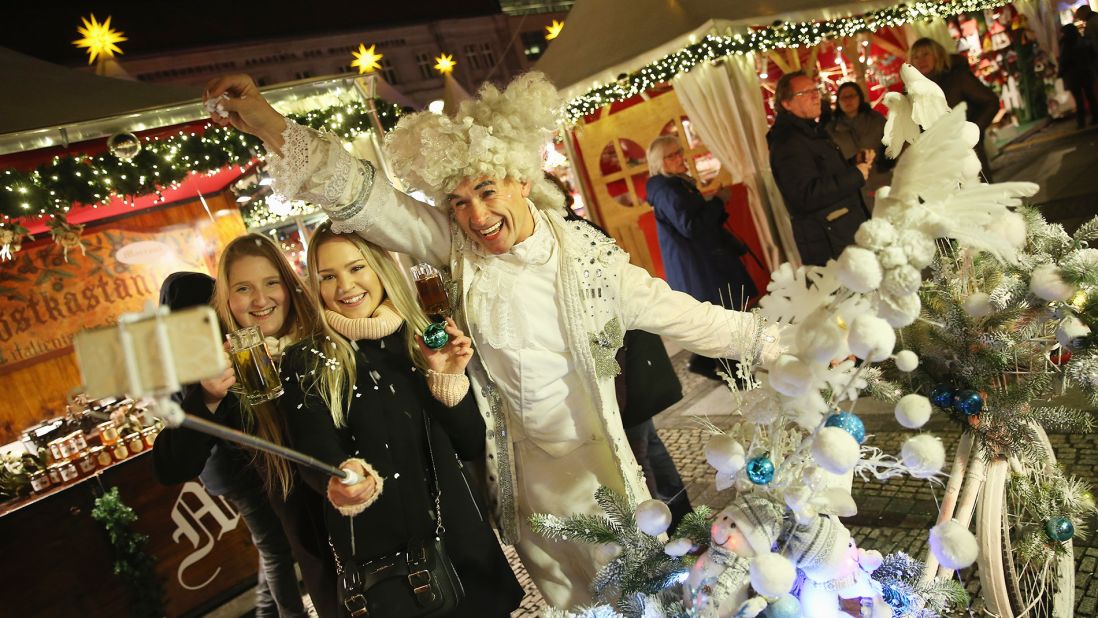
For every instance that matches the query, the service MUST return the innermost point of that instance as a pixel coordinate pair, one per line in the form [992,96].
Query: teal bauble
[1059,529]
[787,606]
[942,396]
[760,470]
[848,422]
[435,336]
[968,402]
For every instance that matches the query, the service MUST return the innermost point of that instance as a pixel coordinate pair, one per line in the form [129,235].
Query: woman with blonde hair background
[366,394]
[951,73]
[255,286]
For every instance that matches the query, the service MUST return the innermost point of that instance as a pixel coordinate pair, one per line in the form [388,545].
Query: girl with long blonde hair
[366,394]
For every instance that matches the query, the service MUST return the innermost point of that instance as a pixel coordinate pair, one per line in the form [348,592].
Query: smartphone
[194,339]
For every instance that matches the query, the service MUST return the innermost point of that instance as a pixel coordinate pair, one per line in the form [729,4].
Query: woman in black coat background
[952,74]
[700,256]
[363,407]
[1078,60]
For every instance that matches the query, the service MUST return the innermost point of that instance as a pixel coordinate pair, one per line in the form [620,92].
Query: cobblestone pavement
[892,516]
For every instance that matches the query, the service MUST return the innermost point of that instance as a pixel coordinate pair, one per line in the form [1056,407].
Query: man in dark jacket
[822,189]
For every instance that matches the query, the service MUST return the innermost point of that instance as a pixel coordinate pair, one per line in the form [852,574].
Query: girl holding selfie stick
[256,286]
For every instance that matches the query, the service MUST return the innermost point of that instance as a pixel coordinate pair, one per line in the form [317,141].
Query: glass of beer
[435,303]
[256,372]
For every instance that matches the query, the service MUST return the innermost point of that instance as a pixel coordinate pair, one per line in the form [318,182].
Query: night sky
[46,29]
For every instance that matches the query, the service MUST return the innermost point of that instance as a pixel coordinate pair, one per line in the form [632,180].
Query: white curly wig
[497,135]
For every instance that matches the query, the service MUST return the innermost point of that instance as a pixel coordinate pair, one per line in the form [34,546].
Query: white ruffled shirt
[518,327]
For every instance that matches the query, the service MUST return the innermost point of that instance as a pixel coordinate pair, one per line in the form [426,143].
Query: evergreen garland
[131,562]
[901,589]
[1038,496]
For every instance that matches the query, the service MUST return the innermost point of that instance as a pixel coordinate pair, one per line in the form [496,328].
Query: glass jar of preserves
[120,452]
[54,473]
[108,433]
[68,472]
[79,442]
[101,455]
[85,462]
[40,481]
[134,443]
[148,435]
[55,449]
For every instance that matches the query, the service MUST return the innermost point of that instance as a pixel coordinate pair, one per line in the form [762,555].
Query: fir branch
[696,525]
[586,528]
[1062,419]
[1087,232]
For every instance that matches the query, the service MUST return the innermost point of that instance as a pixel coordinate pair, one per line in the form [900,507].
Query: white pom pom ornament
[725,454]
[953,545]
[899,311]
[772,575]
[978,305]
[913,411]
[790,376]
[678,547]
[924,455]
[835,450]
[871,338]
[858,269]
[653,517]
[875,234]
[906,361]
[820,338]
[1046,283]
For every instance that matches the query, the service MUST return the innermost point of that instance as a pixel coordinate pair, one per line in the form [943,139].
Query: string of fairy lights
[52,188]
[778,35]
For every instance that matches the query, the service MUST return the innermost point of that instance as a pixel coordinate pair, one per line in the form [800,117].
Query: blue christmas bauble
[760,470]
[968,403]
[435,336]
[898,601]
[1060,529]
[848,422]
[787,606]
[942,396]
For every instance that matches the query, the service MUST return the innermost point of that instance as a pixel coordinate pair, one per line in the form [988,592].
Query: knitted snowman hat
[817,548]
[499,134]
[758,518]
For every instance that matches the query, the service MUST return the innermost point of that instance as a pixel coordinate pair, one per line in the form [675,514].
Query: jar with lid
[148,435]
[40,481]
[68,472]
[134,443]
[101,455]
[79,442]
[119,451]
[85,462]
[108,433]
[54,473]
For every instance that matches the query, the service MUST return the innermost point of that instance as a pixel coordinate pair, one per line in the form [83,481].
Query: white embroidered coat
[602,295]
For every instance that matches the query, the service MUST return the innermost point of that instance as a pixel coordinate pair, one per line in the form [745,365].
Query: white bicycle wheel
[1011,589]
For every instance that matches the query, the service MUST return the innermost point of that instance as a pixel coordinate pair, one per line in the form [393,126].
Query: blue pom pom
[760,470]
[968,403]
[1060,529]
[942,396]
[787,606]
[848,422]
[435,336]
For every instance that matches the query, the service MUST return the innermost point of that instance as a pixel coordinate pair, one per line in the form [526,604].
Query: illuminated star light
[552,31]
[99,39]
[445,64]
[366,60]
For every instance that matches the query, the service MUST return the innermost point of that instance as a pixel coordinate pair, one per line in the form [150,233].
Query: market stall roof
[48,95]
[605,38]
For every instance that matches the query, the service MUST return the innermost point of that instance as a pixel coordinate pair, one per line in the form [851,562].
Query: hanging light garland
[778,35]
[52,188]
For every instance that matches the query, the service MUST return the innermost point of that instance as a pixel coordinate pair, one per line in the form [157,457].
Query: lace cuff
[355,216]
[448,388]
[313,167]
[354,509]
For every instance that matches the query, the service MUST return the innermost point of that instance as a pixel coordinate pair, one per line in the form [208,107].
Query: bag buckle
[356,604]
[420,581]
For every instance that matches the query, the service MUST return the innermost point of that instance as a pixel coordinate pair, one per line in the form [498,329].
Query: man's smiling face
[493,212]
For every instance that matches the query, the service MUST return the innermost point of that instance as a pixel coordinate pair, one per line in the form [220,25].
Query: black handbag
[419,581]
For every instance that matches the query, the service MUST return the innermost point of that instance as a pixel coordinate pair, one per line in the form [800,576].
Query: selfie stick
[174,416]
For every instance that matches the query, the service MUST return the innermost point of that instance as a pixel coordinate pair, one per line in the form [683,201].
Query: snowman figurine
[718,583]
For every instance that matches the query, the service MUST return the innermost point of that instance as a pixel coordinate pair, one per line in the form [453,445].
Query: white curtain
[1044,22]
[725,105]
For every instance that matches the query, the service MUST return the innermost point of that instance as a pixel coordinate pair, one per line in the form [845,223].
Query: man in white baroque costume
[546,301]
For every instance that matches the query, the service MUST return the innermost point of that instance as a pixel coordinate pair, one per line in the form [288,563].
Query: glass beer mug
[435,303]
[256,373]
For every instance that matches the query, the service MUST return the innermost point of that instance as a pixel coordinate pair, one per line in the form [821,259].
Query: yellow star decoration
[366,60]
[98,38]
[445,64]
[552,31]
